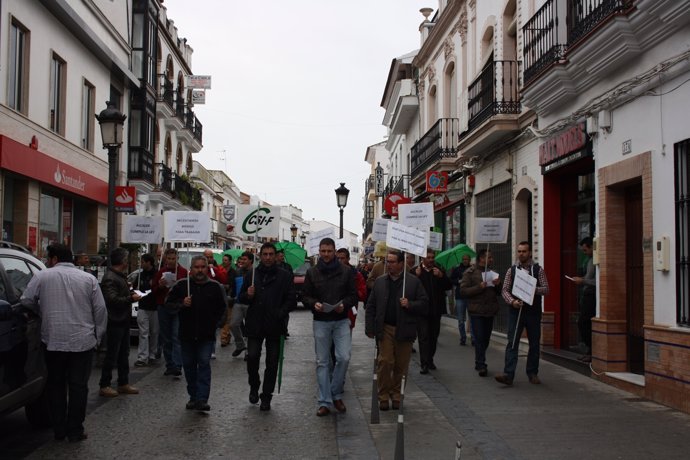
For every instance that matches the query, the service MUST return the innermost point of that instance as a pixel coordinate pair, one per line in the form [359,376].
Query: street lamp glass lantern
[111,121]
[303,239]
[341,194]
[293,231]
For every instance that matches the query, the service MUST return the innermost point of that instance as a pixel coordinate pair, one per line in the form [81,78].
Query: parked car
[300,272]
[23,371]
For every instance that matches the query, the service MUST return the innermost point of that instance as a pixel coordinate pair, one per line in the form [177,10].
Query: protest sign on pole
[406,239]
[417,215]
[316,237]
[142,229]
[190,226]
[491,230]
[341,243]
[435,240]
[524,286]
[252,220]
[379,229]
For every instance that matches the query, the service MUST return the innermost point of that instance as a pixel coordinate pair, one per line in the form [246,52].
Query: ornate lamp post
[293,231]
[341,194]
[303,239]
[111,121]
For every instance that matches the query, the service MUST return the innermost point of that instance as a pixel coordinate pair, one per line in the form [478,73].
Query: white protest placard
[142,229]
[341,243]
[379,229]
[435,240]
[192,226]
[252,219]
[316,237]
[417,215]
[524,286]
[491,229]
[406,239]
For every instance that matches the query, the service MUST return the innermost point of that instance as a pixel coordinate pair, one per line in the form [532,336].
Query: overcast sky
[296,92]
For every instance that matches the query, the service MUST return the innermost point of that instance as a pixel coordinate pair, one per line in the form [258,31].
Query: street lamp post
[341,196]
[293,231]
[303,239]
[111,121]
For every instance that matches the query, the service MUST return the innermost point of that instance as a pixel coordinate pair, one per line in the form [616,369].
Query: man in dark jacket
[270,300]
[200,302]
[329,291]
[460,301]
[118,301]
[391,318]
[147,313]
[232,294]
[480,287]
[436,283]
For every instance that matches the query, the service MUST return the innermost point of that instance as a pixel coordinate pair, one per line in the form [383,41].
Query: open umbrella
[294,253]
[453,257]
[235,254]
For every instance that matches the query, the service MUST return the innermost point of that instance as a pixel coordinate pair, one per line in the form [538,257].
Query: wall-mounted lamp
[469,188]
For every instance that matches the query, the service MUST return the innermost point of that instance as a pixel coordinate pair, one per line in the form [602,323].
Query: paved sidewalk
[568,416]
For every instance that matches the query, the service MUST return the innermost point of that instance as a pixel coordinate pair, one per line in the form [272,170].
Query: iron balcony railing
[192,123]
[167,92]
[179,107]
[585,15]
[368,184]
[140,164]
[398,184]
[186,193]
[164,180]
[495,91]
[549,35]
[437,143]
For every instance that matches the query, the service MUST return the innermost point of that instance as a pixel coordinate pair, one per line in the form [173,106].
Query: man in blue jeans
[329,291]
[201,303]
[523,316]
[168,321]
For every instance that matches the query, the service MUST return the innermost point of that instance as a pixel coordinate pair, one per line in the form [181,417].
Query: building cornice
[444,26]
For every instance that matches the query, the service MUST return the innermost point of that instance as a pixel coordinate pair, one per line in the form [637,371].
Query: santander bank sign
[62,177]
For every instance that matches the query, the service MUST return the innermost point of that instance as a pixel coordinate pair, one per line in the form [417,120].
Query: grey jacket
[480,301]
[406,328]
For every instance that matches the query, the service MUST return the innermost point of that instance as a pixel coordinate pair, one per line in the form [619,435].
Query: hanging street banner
[435,240]
[437,181]
[252,219]
[190,226]
[379,229]
[199,81]
[491,230]
[142,229]
[406,239]
[315,238]
[417,215]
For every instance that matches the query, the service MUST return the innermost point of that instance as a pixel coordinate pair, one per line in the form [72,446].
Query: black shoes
[254,395]
[432,366]
[191,405]
[174,372]
[77,438]
[202,405]
[504,379]
[238,351]
[265,403]
[425,370]
[483,372]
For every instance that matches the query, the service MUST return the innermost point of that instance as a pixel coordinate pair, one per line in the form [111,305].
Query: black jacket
[143,283]
[436,288]
[274,297]
[329,284]
[198,322]
[117,296]
[406,327]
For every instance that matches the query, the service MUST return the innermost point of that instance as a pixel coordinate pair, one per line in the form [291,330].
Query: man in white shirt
[74,320]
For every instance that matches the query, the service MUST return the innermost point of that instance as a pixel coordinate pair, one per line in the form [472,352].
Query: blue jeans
[461,312]
[482,327]
[530,319]
[331,383]
[196,359]
[169,324]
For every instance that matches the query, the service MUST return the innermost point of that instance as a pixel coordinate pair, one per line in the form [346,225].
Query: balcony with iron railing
[140,164]
[439,143]
[369,191]
[164,178]
[398,184]
[186,193]
[192,123]
[493,92]
[561,24]
[166,97]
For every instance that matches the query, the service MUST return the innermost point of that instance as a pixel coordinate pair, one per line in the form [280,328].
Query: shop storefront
[569,215]
[47,201]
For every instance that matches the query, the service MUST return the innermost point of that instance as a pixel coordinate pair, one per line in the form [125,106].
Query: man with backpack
[523,316]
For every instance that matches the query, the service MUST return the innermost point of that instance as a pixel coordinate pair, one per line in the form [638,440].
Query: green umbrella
[235,254]
[453,257]
[294,253]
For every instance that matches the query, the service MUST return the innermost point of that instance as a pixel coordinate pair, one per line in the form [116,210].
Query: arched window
[450,91]
[432,114]
[179,159]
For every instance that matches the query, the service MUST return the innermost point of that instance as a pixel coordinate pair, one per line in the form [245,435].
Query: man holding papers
[479,286]
[523,315]
[329,291]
